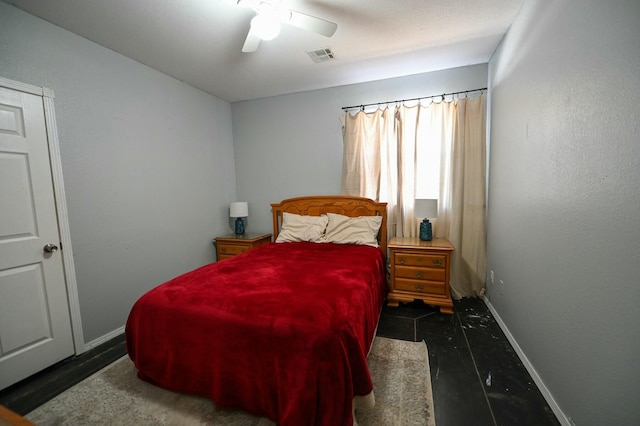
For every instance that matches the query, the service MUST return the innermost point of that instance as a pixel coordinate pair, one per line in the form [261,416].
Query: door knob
[50,248]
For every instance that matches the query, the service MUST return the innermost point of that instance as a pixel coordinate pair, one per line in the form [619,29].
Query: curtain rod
[362,107]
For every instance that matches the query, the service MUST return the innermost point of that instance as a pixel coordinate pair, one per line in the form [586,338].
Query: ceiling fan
[270,14]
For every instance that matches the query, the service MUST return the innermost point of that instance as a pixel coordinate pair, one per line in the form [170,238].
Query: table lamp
[425,208]
[239,210]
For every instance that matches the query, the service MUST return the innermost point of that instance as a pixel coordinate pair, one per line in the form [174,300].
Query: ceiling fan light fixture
[266,26]
[270,14]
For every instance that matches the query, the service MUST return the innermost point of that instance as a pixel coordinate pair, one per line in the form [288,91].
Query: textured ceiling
[200,41]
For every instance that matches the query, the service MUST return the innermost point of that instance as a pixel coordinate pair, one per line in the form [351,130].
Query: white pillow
[296,228]
[361,230]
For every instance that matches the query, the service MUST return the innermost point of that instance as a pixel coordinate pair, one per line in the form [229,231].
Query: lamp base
[426,231]
[239,226]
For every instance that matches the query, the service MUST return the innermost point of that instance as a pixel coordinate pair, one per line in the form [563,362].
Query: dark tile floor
[476,376]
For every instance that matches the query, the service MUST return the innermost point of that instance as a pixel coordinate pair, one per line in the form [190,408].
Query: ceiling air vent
[321,55]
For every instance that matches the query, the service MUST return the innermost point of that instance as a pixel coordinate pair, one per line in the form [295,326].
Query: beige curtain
[462,201]
[407,120]
[369,158]
[382,157]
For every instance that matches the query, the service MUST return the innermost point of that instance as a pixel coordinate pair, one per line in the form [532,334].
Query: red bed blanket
[281,331]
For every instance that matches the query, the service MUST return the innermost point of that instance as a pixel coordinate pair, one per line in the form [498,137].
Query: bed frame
[316,205]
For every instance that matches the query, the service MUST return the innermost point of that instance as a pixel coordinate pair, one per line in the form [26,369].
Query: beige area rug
[115,396]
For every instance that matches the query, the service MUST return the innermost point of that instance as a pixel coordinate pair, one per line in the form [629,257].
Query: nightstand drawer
[429,274]
[429,260]
[232,245]
[232,250]
[417,286]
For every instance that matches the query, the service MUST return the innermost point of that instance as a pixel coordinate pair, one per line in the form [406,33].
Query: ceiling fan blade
[251,43]
[312,23]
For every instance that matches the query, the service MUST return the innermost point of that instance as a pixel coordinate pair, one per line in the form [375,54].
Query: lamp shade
[239,209]
[425,208]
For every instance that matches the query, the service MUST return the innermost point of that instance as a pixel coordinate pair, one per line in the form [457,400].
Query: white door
[35,325]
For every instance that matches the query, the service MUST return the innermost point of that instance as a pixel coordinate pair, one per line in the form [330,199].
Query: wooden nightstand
[420,270]
[8,417]
[231,245]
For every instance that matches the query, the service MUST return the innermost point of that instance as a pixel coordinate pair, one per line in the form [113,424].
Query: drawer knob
[402,260]
[437,262]
[419,287]
[419,274]
[223,250]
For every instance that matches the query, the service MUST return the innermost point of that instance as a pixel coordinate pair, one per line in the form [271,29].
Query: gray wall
[564,201]
[290,146]
[147,160]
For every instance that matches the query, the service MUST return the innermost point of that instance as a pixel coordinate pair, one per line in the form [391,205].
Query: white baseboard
[100,340]
[562,418]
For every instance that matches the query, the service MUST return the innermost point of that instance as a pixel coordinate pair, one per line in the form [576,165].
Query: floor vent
[321,55]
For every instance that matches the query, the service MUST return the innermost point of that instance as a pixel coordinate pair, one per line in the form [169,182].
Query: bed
[281,331]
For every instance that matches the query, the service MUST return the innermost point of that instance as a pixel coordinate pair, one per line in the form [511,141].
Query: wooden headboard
[316,205]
